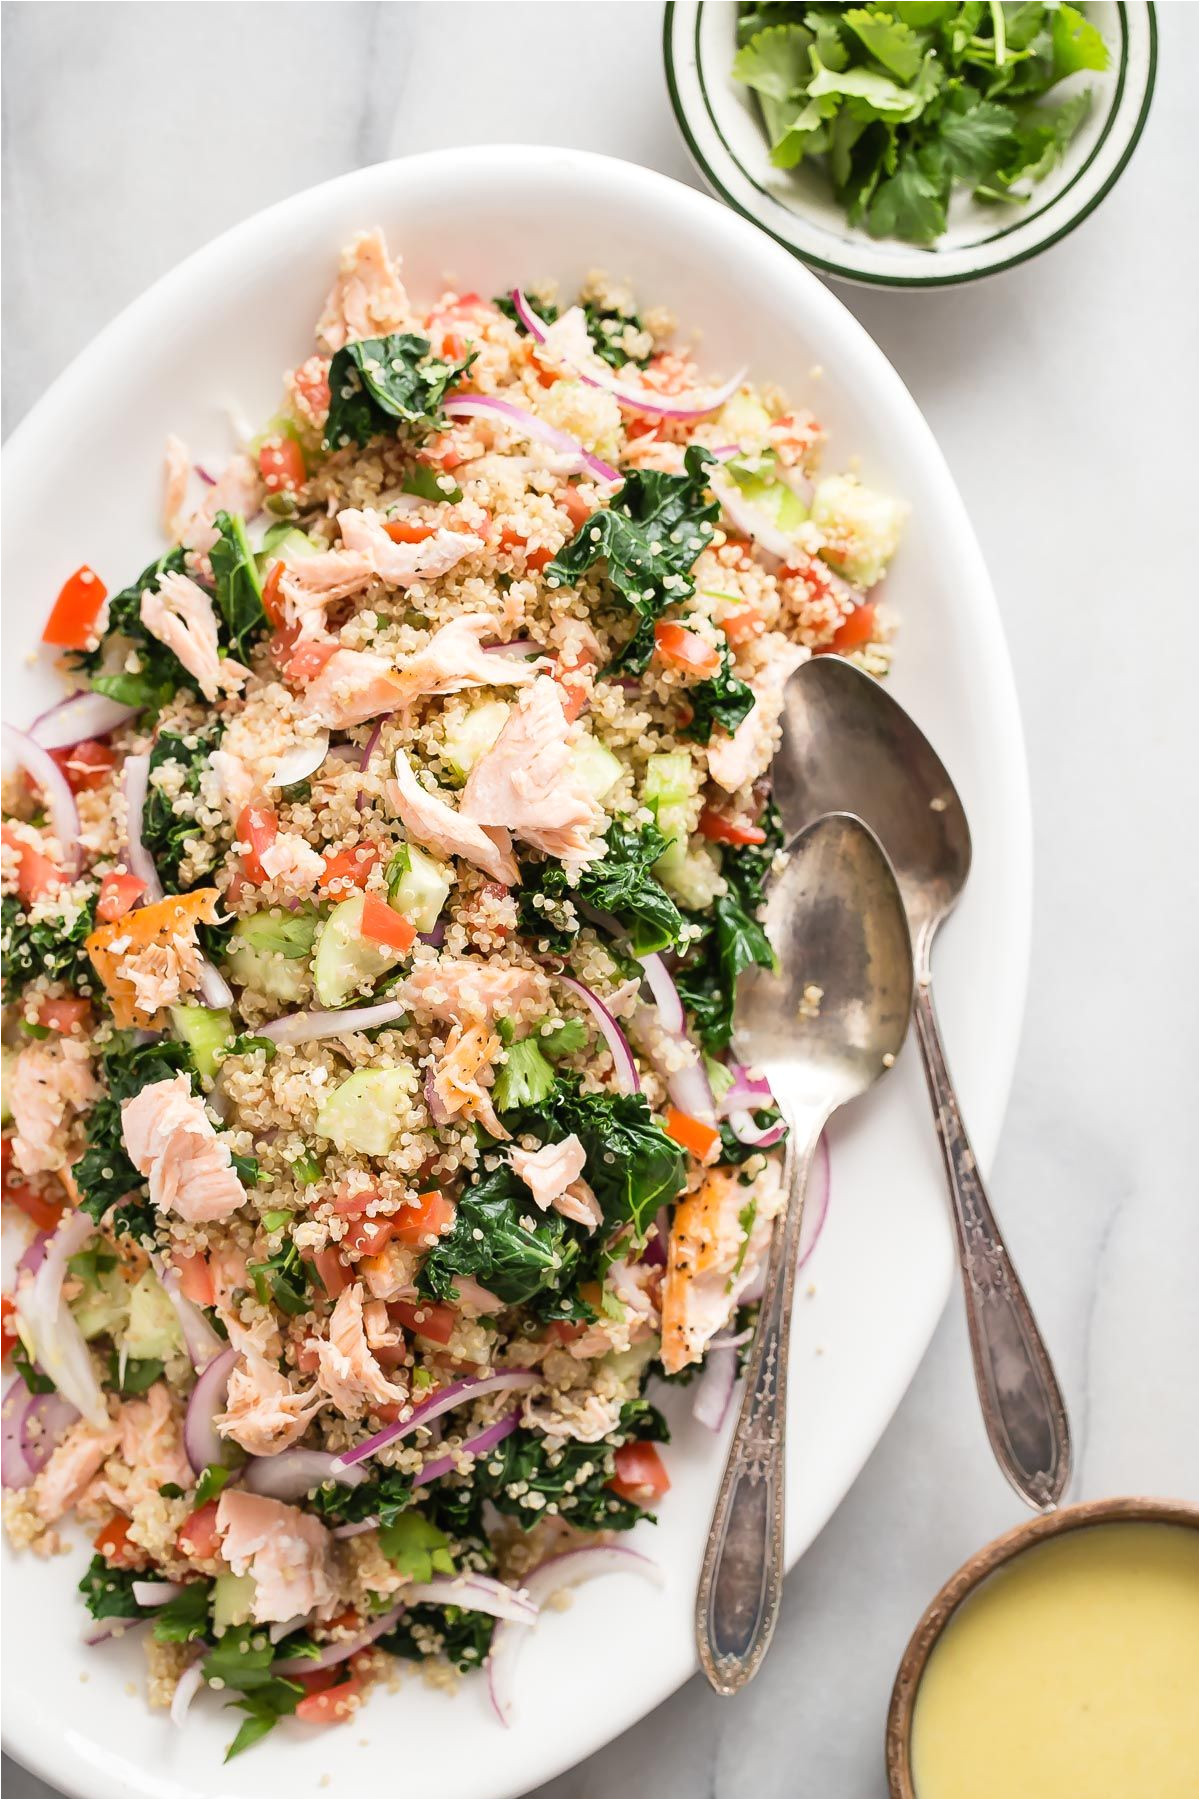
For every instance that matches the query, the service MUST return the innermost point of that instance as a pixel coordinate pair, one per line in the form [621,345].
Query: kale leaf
[384,1497]
[45,948]
[378,383]
[500,1238]
[463,1638]
[606,326]
[161,674]
[165,832]
[723,700]
[733,939]
[648,538]
[621,883]
[237,583]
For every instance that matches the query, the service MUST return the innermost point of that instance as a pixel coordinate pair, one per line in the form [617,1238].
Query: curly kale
[377,384]
[721,701]
[621,883]
[45,947]
[165,832]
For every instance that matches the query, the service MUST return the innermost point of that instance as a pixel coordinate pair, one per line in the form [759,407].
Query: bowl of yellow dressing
[1061,1660]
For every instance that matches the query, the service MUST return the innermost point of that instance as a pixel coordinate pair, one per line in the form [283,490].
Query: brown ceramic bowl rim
[943,1605]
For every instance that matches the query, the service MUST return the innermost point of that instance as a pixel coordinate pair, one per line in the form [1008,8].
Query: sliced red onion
[475,1593]
[816,1204]
[135,783]
[201,1440]
[565,1571]
[82,715]
[301,761]
[463,406]
[310,1027]
[746,1092]
[186,1689]
[459,1393]
[215,991]
[333,1654]
[201,1341]
[156,1593]
[760,1137]
[643,400]
[101,1630]
[478,1445]
[45,773]
[654,1250]
[714,1390]
[751,522]
[45,1420]
[628,1081]
[206,478]
[435,938]
[666,994]
[15,1471]
[31,1262]
[58,1345]
[368,752]
[296,1472]
[687,1085]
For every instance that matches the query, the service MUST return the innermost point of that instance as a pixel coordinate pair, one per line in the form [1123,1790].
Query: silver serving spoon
[847,743]
[822,1027]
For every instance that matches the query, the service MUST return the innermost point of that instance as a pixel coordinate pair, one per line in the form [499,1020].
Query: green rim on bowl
[682,47]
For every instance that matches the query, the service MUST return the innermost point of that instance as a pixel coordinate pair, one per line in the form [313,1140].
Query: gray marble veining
[1063,396]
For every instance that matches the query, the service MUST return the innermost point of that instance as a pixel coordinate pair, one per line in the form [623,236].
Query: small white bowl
[723,130]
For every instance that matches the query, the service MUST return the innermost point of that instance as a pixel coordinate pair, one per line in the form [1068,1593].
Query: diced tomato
[317,1681]
[577,509]
[301,660]
[331,1271]
[348,869]
[198,1535]
[565,1331]
[63,1015]
[44,1213]
[311,381]
[684,649]
[854,631]
[281,465]
[73,617]
[537,558]
[693,1134]
[86,765]
[382,924]
[270,595]
[8,1335]
[36,874]
[743,624]
[353,1206]
[719,828]
[408,531]
[257,828]
[432,1216]
[425,1320]
[345,1621]
[368,1235]
[113,1543]
[195,1278]
[641,1476]
[119,891]
[454,347]
[332,1705]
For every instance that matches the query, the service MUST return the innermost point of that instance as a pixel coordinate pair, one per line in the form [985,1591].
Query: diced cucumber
[346,963]
[153,1328]
[691,873]
[595,764]
[670,781]
[205,1030]
[269,951]
[232,1600]
[469,735]
[864,527]
[418,885]
[284,539]
[669,790]
[366,1112]
[774,499]
[628,1365]
[744,419]
[103,1306]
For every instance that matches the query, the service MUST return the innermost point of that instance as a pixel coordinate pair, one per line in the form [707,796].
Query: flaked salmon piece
[454,659]
[264,1413]
[554,1176]
[176,469]
[400,565]
[459,1078]
[72,1465]
[436,824]
[368,297]
[346,1369]
[460,989]
[152,1442]
[288,1552]
[234,782]
[381,1333]
[736,762]
[49,1082]
[528,784]
[704,1281]
[171,1141]
[580,1413]
[291,861]
[390,1274]
[354,685]
[237,489]
[180,615]
[148,959]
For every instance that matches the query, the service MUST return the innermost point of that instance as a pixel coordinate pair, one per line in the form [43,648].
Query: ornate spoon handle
[741,1579]
[1022,1405]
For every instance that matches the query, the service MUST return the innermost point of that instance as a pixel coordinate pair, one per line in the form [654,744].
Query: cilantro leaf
[648,539]
[908,205]
[242,1659]
[378,383]
[185,1617]
[890,41]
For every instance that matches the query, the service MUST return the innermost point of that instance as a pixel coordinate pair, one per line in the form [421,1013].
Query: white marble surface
[1064,396]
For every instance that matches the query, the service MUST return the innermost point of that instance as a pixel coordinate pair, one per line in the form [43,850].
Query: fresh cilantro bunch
[905,99]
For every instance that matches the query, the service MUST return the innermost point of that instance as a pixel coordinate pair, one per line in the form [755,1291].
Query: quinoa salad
[373,911]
